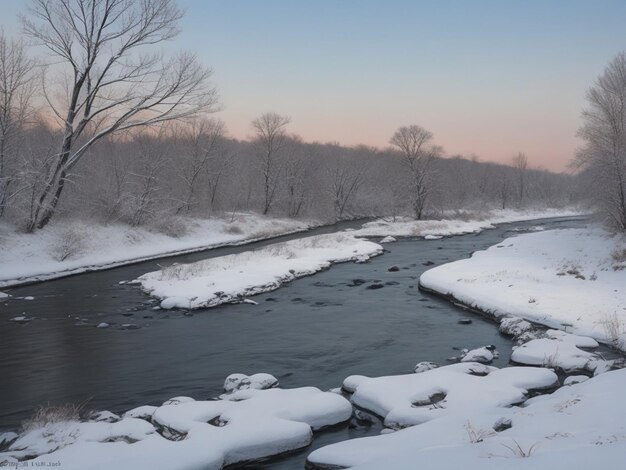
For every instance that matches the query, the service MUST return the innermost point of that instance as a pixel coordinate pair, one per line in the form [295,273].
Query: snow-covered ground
[578,426]
[65,248]
[573,280]
[232,278]
[247,424]
[87,247]
[469,223]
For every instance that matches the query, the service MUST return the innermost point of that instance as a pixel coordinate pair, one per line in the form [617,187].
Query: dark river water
[314,331]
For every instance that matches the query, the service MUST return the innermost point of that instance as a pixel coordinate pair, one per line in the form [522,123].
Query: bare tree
[604,132]
[344,177]
[271,138]
[504,187]
[297,166]
[205,161]
[412,141]
[16,89]
[111,83]
[520,163]
[146,178]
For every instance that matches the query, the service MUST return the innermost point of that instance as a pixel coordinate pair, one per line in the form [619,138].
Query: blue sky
[489,78]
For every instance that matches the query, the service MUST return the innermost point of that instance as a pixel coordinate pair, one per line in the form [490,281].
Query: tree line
[102,126]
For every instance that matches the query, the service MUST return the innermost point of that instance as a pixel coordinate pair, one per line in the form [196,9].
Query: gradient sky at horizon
[488,77]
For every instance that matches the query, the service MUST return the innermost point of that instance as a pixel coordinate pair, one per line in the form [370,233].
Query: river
[314,331]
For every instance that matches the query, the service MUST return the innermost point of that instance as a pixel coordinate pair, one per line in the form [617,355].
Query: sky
[489,78]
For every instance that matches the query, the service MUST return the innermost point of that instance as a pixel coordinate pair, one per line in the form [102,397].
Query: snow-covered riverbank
[232,278]
[566,279]
[61,250]
[457,225]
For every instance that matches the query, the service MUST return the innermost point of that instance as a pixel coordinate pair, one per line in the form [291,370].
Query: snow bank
[575,427]
[231,278]
[435,229]
[408,400]
[570,279]
[183,433]
[37,256]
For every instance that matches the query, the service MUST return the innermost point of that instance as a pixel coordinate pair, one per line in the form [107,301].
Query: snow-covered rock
[433,237]
[388,239]
[407,400]
[575,379]
[261,381]
[103,416]
[424,366]
[560,350]
[515,326]
[484,355]
[231,278]
[102,325]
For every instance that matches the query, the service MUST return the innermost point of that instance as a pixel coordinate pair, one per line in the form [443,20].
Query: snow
[424,366]
[388,240]
[408,400]
[578,426]
[485,355]
[564,279]
[32,257]
[471,223]
[561,350]
[261,381]
[231,278]
[184,433]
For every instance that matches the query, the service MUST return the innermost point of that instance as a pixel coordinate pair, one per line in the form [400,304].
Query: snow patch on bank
[571,279]
[231,278]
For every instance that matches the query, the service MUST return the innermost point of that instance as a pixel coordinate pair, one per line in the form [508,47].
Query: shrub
[71,242]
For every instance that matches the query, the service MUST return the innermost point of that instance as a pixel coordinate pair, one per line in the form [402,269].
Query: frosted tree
[204,162]
[413,141]
[16,90]
[604,133]
[270,141]
[103,78]
[520,163]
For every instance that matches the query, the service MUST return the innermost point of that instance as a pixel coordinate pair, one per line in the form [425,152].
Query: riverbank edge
[43,277]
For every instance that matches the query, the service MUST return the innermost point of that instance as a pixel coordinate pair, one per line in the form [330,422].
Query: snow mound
[387,239]
[184,433]
[407,400]
[229,279]
[575,425]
